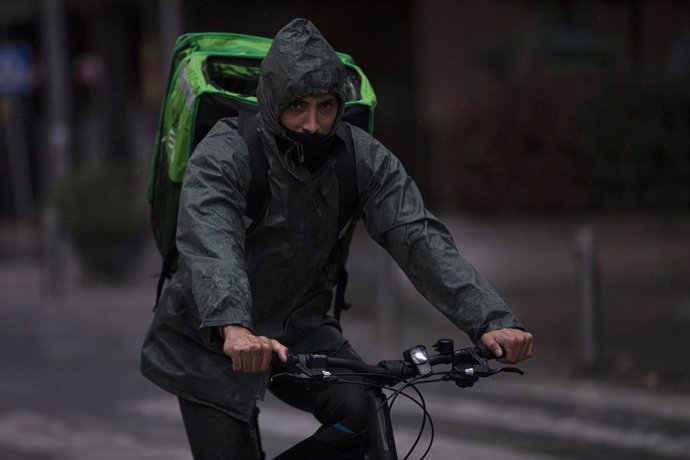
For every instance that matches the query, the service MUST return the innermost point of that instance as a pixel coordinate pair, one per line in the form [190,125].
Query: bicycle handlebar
[468,364]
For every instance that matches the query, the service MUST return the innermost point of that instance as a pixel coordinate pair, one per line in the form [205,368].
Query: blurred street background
[552,137]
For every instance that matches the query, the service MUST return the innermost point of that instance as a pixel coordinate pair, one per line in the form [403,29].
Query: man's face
[311,114]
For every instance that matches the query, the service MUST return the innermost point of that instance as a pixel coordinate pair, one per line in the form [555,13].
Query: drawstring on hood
[308,149]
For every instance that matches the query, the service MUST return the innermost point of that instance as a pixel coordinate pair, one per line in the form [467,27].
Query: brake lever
[513,369]
[306,367]
[465,376]
[314,367]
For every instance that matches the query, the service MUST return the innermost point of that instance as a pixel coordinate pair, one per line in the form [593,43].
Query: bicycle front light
[419,357]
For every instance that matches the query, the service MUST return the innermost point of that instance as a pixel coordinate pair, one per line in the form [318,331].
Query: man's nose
[311,123]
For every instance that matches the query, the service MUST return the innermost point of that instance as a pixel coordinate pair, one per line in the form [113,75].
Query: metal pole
[589,332]
[170,17]
[58,102]
[59,97]
[18,156]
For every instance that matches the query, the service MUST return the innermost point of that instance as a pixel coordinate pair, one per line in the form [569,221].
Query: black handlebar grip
[485,353]
[276,363]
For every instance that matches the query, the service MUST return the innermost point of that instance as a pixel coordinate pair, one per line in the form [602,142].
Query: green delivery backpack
[215,75]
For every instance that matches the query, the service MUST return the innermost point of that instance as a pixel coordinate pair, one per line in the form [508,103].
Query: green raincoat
[277,281]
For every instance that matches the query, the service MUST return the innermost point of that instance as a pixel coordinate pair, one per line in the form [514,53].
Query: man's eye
[296,105]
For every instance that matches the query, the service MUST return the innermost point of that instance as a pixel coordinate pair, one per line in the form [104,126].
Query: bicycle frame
[381,438]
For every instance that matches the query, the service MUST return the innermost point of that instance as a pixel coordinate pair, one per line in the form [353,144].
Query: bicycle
[467,365]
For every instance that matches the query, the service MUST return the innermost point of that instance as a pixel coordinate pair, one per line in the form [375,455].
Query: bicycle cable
[421,402]
[425,415]
[395,393]
[413,384]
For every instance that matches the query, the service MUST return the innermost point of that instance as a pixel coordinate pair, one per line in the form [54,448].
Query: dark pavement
[70,386]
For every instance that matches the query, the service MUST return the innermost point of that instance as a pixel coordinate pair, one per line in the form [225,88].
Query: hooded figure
[277,281]
[300,63]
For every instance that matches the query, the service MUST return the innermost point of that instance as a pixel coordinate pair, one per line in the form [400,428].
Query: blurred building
[556,106]
[493,105]
[115,62]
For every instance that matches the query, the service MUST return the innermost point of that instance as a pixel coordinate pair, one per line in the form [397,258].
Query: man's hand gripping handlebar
[467,365]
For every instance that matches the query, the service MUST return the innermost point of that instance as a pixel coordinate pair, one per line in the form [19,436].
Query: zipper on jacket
[310,184]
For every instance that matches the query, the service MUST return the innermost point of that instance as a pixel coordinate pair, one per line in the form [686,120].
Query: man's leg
[214,435]
[343,410]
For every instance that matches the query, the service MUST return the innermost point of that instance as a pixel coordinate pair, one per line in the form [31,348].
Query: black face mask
[308,139]
[315,147]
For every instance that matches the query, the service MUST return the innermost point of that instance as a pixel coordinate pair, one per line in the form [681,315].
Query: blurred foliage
[544,145]
[635,142]
[103,210]
[512,148]
[102,200]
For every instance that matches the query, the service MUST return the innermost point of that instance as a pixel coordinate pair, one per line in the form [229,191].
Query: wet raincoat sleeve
[395,217]
[211,231]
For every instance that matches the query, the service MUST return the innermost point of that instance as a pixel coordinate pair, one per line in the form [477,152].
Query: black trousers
[342,409]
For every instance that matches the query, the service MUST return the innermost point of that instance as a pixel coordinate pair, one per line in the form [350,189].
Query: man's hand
[250,353]
[511,345]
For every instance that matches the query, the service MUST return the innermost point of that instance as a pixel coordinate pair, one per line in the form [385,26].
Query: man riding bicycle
[236,298]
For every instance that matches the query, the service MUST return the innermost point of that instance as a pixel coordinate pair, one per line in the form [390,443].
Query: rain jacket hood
[299,63]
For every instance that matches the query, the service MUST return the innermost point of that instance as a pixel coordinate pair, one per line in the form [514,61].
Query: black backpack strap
[258,194]
[166,274]
[348,214]
[346,172]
